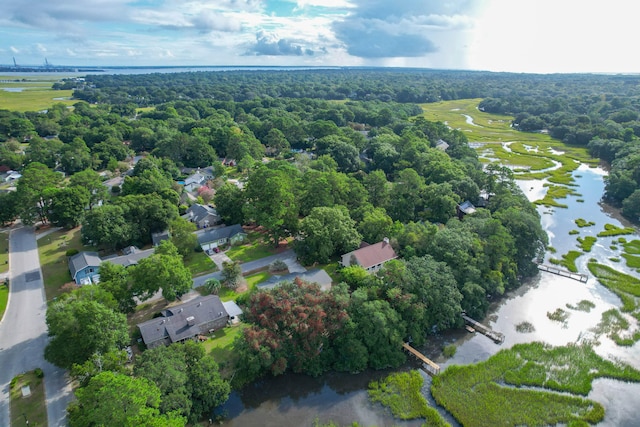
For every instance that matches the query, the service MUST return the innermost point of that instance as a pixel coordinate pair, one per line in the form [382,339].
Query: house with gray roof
[202,216]
[158,237]
[215,237]
[317,276]
[85,268]
[182,322]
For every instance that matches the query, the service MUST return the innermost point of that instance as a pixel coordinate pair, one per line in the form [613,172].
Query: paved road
[23,331]
[288,256]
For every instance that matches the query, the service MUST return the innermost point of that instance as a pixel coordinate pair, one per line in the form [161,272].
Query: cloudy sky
[499,35]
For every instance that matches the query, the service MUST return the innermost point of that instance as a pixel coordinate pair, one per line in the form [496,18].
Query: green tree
[75,156]
[163,270]
[325,232]
[79,328]
[8,207]
[34,191]
[45,151]
[229,201]
[112,399]
[106,226]
[115,279]
[271,202]
[375,225]
[68,206]
[182,236]
[166,368]
[114,361]
[212,286]
[231,274]
[92,182]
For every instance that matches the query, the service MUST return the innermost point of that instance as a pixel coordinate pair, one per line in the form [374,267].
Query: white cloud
[14,49]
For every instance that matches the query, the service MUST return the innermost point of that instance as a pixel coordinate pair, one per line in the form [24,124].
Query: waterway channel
[297,400]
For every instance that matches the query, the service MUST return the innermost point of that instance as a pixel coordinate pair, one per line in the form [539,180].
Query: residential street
[288,256]
[23,332]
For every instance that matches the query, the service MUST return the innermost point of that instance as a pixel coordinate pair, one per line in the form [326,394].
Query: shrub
[39,373]
[449,350]
[71,252]
[278,265]
[116,189]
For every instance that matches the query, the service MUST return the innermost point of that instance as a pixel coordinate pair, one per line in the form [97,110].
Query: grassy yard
[53,259]
[227,294]
[220,347]
[4,298]
[253,249]
[4,252]
[28,411]
[199,263]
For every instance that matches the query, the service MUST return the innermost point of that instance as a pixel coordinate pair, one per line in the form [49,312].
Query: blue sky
[499,35]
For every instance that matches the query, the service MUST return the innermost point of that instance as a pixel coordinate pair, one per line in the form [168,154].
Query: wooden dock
[564,273]
[497,337]
[430,367]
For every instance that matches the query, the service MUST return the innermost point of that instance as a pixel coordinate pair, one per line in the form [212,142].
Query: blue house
[85,268]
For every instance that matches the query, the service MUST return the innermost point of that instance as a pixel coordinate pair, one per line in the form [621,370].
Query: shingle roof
[197,212]
[467,207]
[82,260]
[215,234]
[174,323]
[130,259]
[375,254]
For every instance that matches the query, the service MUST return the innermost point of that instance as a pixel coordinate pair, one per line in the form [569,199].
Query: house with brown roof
[370,257]
[182,322]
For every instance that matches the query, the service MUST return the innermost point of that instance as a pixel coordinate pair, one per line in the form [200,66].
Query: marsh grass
[583,223]
[584,305]
[533,152]
[525,327]
[402,394]
[559,315]
[625,286]
[615,326]
[568,261]
[490,394]
[586,243]
[612,230]
[36,96]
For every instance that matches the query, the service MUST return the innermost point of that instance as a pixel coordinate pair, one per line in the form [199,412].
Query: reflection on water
[297,400]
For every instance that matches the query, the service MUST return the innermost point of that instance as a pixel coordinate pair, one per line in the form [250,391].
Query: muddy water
[294,400]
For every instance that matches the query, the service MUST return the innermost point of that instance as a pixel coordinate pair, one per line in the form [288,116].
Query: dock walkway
[564,273]
[497,337]
[431,367]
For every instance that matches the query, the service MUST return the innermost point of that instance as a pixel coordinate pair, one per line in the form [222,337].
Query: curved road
[23,331]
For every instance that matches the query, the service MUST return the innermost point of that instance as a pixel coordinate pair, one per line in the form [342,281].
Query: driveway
[23,331]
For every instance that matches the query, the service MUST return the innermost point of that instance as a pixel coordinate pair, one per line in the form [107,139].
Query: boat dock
[497,337]
[564,273]
[430,367]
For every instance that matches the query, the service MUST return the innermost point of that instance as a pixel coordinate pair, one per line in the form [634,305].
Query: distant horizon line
[81,68]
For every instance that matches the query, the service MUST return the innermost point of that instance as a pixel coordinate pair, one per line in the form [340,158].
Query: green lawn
[28,411]
[4,252]
[4,297]
[227,294]
[53,259]
[253,249]
[199,263]
[220,347]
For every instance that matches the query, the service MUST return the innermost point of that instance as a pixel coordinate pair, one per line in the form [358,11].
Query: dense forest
[328,159]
